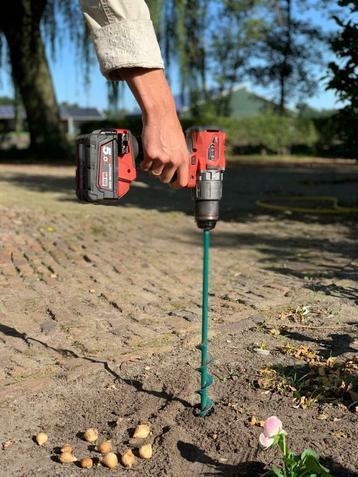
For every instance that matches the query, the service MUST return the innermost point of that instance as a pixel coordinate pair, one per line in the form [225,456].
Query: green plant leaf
[309,452]
[310,460]
[276,472]
[295,457]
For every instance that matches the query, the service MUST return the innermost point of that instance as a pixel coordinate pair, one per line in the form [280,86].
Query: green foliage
[305,465]
[283,60]
[269,131]
[337,134]
[277,133]
[6,100]
[344,76]
[191,26]
[344,73]
[232,45]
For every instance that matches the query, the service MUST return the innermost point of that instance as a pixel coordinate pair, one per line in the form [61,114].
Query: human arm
[164,145]
[127,49]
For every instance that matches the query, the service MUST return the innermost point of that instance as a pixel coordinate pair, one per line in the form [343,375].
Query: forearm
[127,49]
[165,150]
[152,92]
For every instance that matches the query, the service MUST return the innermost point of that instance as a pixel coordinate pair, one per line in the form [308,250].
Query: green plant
[305,464]
[275,132]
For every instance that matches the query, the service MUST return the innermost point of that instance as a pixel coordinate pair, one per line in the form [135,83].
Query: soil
[100,318]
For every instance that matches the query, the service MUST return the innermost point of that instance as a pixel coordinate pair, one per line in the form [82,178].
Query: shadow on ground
[194,454]
[67,353]
[295,253]
[243,186]
[337,344]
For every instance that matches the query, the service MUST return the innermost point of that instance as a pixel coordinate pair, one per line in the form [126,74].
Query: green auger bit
[206,378]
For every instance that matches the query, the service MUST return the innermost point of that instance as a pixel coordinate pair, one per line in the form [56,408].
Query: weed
[317,380]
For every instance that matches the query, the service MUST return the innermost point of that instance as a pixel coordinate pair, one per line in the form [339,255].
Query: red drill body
[106,167]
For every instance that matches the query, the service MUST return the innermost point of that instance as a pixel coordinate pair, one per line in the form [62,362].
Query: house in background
[7,118]
[75,116]
[72,116]
[242,103]
[245,104]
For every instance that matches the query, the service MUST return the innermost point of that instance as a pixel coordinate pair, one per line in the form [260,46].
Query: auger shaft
[206,379]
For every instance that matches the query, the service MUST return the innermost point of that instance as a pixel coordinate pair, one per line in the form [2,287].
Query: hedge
[268,132]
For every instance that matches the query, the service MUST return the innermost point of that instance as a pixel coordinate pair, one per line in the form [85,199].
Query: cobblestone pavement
[100,314]
[94,283]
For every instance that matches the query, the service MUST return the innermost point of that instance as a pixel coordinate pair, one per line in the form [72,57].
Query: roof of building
[76,112]
[243,103]
[7,111]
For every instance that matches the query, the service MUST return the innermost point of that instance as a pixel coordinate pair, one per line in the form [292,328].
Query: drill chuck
[207,195]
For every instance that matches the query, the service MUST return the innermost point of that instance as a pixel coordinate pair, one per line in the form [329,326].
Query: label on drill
[213,151]
[106,167]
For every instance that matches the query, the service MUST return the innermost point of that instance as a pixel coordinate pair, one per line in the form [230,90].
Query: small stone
[5,445]
[263,352]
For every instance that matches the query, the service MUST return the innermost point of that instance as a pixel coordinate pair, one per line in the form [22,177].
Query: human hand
[165,151]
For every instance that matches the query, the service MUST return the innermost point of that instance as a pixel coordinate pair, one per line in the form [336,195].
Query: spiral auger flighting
[206,379]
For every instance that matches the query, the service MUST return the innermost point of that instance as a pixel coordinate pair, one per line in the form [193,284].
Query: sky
[68,76]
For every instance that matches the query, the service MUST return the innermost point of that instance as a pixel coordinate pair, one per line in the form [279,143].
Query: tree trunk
[31,74]
[195,54]
[285,66]
[19,126]
[282,90]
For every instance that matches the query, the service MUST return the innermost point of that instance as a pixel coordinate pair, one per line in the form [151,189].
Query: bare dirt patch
[100,315]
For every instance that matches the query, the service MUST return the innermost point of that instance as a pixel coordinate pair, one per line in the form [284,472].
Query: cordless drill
[106,167]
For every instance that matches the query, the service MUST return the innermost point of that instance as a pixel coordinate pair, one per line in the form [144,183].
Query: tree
[290,49]
[21,26]
[344,72]
[232,46]
[184,32]
[30,24]
[209,41]
[344,75]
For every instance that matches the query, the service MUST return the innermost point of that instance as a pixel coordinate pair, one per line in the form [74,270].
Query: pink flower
[272,427]
[265,442]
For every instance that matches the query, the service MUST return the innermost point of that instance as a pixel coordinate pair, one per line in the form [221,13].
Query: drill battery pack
[105,164]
